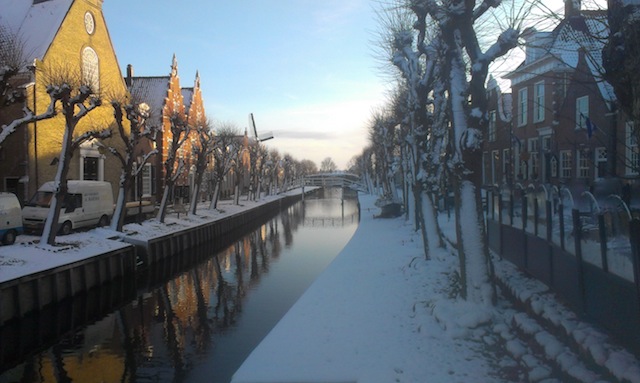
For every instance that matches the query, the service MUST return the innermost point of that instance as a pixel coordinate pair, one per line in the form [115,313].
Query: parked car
[10,218]
[87,204]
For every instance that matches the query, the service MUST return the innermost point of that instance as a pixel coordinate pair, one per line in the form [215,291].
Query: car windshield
[41,198]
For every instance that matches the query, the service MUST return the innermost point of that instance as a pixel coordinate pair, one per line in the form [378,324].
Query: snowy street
[382,313]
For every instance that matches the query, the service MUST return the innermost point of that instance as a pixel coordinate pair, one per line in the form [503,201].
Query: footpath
[381,312]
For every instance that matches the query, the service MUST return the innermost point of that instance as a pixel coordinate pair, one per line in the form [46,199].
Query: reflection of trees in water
[156,336]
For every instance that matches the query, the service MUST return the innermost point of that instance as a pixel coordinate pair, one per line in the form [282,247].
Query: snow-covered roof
[153,91]
[562,47]
[35,25]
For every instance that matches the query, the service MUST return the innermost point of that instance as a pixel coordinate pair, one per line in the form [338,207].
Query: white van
[88,203]
[10,218]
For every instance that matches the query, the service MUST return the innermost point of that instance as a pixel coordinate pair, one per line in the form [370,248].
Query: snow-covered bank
[367,318]
[382,313]
[27,256]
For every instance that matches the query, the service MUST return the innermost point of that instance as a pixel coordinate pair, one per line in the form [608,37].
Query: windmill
[262,137]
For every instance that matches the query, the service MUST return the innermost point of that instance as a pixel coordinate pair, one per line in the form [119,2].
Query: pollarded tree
[179,130]
[202,153]
[258,154]
[74,97]
[413,106]
[224,156]
[462,76]
[137,115]
[621,59]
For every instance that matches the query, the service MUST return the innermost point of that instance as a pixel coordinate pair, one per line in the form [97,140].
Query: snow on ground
[380,312]
[28,256]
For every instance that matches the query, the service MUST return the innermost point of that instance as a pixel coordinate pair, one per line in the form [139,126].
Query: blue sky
[306,69]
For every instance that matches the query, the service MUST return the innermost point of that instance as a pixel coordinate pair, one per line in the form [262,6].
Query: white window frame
[582,164]
[582,112]
[495,160]
[538,101]
[91,69]
[492,126]
[566,164]
[522,107]
[600,157]
[534,167]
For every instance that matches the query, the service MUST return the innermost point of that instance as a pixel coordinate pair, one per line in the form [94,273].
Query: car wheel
[66,228]
[9,237]
[104,221]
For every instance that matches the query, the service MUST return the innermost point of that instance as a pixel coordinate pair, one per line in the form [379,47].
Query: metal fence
[585,249]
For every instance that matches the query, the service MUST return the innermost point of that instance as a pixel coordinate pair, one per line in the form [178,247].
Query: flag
[590,127]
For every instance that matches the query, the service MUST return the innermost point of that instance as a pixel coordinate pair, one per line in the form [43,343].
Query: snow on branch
[507,40]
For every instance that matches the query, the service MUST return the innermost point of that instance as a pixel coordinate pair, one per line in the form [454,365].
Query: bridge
[336,179]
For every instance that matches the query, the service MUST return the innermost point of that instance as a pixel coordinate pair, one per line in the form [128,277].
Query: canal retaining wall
[158,249]
[36,291]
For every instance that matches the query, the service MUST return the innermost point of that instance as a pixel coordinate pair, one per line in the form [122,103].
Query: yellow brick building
[61,38]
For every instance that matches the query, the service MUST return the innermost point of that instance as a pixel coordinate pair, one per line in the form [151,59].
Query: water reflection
[200,324]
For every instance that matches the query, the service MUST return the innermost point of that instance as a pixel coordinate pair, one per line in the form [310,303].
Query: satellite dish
[263,137]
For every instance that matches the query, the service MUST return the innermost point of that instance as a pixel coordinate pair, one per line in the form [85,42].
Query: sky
[306,69]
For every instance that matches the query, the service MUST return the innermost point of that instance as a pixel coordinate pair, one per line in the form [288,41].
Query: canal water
[177,323]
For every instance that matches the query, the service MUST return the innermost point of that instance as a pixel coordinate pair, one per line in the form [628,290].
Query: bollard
[577,234]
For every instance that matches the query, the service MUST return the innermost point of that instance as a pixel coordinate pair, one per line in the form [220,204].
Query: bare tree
[224,157]
[240,166]
[179,134]
[76,99]
[12,66]
[272,170]
[137,115]
[328,166]
[202,153]
[259,155]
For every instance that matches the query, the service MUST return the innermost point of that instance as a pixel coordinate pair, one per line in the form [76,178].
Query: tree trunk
[216,195]
[163,204]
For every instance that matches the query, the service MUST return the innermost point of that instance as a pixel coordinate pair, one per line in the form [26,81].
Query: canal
[185,324]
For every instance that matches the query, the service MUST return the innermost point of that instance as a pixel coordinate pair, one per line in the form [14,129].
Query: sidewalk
[382,313]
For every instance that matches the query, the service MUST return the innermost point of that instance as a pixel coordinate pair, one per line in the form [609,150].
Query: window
[495,160]
[533,158]
[554,167]
[582,112]
[632,155]
[90,168]
[522,107]
[90,69]
[566,163]
[538,101]
[583,164]
[601,162]
[506,164]
[492,125]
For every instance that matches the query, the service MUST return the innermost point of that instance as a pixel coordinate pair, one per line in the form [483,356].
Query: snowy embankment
[380,312]
[27,256]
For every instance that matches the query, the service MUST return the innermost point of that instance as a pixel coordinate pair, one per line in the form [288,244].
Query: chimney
[571,8]
[129,75]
